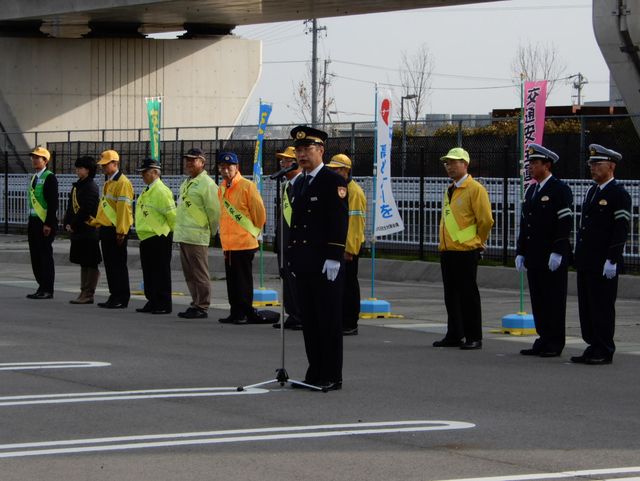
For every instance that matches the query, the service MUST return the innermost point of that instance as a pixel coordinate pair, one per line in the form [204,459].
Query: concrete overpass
[69,65]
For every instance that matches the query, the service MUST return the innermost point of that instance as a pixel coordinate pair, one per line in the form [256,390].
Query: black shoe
[469,345]
[447,343]
[582,359]
[350,332]
[112,305]
[331,386]
[40,295]
[161,311]
[193,313]
[232,320]
[530,352]
[598,361]
[549,353]
[147,308]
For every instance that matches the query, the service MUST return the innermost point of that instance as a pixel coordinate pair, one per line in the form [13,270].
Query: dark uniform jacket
[87,196]
[604,227]
[319,222]
[545,224]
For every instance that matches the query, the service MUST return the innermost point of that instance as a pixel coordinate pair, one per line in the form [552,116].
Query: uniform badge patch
[603,202]
[342,192]
[544,199]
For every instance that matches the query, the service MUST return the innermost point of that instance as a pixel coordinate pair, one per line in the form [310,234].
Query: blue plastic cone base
[518,321]
[265,297]
[374,307]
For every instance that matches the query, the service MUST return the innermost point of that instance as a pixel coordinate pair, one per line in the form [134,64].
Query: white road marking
[80,397]
[220,437]
[562,474]
[23,366]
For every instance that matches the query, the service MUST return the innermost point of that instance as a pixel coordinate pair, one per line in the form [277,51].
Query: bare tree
[302,96]
[538,62]
[415,77]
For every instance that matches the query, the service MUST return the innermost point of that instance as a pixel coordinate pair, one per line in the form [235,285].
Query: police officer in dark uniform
[544,250]
[604,227]
[319,223]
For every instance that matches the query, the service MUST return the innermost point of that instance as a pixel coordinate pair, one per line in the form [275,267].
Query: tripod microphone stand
[282,377]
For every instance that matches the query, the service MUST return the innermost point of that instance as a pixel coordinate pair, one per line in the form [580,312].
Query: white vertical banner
[387,217]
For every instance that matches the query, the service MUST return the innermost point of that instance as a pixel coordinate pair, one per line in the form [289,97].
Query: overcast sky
[472,46]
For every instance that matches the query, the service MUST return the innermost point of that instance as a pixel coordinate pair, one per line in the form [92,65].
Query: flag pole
[374,200]
[521,151]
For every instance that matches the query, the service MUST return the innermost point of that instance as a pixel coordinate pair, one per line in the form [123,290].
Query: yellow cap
[108,156]
[42,152]
[457,153]
[340,160]
[289,153]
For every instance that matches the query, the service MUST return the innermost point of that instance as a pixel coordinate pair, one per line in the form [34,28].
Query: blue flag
[265,112]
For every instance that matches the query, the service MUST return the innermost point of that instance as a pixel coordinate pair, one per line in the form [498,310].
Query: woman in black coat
[85,250]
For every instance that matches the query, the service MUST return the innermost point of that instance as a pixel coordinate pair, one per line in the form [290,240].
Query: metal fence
[419,200]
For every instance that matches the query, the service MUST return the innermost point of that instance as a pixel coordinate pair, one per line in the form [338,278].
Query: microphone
[284,171]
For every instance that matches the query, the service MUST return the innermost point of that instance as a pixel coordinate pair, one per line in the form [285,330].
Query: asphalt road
[474,414]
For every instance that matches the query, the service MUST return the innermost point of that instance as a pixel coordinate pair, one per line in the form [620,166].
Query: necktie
[592,194]
[34,181]
[450,190]
[305,183]
[535,191]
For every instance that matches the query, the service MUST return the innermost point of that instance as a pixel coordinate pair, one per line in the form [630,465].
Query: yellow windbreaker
[469,206]
[155,211]
[357,218]
[115,207]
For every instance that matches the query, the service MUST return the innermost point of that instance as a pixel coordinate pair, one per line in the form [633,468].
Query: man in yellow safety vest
[155,221]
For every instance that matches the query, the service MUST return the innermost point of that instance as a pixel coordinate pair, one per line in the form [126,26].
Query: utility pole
[578,82]
[314,68]
[324,93]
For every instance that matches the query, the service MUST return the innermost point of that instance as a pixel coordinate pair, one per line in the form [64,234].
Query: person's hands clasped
[520,264]
[554,261]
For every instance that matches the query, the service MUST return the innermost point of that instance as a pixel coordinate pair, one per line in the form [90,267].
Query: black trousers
[351,301]
[115,265]
[41,251]
[321,305]
[597,310]
[155,258]
[548,291]
[461,295]
[238,269]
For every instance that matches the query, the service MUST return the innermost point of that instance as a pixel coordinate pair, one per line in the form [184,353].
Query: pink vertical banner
[534,103]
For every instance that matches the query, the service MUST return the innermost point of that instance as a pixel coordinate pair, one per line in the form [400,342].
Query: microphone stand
[282,377]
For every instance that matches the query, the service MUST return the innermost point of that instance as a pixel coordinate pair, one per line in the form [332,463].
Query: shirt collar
[292,180]
[114,174]
[315,171]
[602,186]
[41,171]
[461,181]
[543,182]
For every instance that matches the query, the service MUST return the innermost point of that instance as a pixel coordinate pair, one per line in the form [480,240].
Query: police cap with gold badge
[537,151]
[303,135]
[599,153]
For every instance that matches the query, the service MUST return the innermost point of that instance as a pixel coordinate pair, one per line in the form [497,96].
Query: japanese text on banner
[387,217]
[535,97]
[265,112]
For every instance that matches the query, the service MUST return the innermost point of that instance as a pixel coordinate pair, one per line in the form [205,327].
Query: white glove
[331,268]
[609,270]
[554,261]
[520,264]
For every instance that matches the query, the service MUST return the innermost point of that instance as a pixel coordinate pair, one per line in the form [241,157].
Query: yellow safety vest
[454,230]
